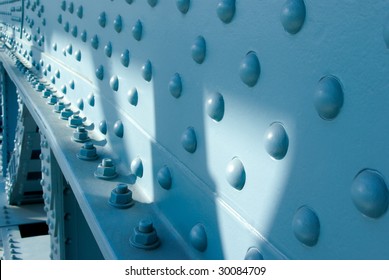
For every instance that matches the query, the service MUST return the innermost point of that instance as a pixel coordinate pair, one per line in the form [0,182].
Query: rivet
[44,22]
[80,12]
[95,42]
[199,50]
[276,141]
[125,58]
[226,10]
[164,178]
[66,27]
[118,128]
[69,49]
[183,5]
[306,226]
[74,31]
[102,19]
[293,15]
[147,71]
[59,107]
[121,197]
[58,74]
[250,69]
[117,24]
[145,236]
[215,106]
[133,97]
[80,104]
[175,85]
[91,99]
[114,83]
[83,36]
[370,194]
[152,3]
[100,72]
[189,140]
[71,7]
[198,238]
[59,19]
[137,167]
[63,5]
[103,127]
[129,1]
[253,254]
[328,97]
[137,30]
[72,84]
[236,174]
[77,55]
[108,49]
[55,46]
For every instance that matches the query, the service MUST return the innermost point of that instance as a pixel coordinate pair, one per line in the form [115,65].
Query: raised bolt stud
[46,93]
[53,99]
[80,135]
[145,236]
[59,106]
[87,152]
[75,121]
[106,170]
[121,197]
[66,113]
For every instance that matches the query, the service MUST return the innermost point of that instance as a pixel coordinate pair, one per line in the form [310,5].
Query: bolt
[87,152]
[75,121]
[145,236]
[106,170]
[66,113]
[121,197]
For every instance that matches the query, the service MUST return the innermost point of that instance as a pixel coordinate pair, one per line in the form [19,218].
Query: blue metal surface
[244,129]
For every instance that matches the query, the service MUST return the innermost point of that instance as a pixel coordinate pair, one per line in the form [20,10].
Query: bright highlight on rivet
[137,167]
[133,97]
[276,141]
[117,24]
[306,226]
[198,238]
[114,83]
[199,50]
[118,129]
[137,30]
[147,72]
[215,106]
[108,49]
[100,72]
[250,69]
[102,19]
[236,174]
[125,58]
[175,85]
[189,140]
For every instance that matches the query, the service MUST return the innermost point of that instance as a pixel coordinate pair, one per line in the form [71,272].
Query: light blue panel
[256,121]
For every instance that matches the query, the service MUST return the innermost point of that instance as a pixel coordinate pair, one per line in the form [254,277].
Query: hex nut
[80,135]
[106,170]
[87,152]
[145,240]
[121,197]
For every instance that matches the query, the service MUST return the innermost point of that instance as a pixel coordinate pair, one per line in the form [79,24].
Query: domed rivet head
[199,50]
[137,167]
[44,22]
[198,238]
[121,197]
[236,174]
[80,12]
[328,97]
[137,30]
[71,8]
[59,19]
[183,5]
[64,89]
[83,36]
[108,49]
[147,72]
[175,85]
[133,97]
[102,19]
[125,58]
[100,72]
[293,15]
[215,106]
[370,194]
[63,5]
[117,24]
[226,10]
[129,1]
[152,3]
[80,104]
[145,236]
[66,27]
[250,69]
[276,141]
[103,127]
[74,31]
[118,128]
[164,178]
[306,226]
[58,74]
[189,140]
[95,42]
[91,99]
[72,84]
[69,49]
[253,254]
[54,46]
[77,55]
[114,83]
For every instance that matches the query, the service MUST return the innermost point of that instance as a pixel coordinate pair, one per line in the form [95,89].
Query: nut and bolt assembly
[145,236]
[121,197]
[106,170]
